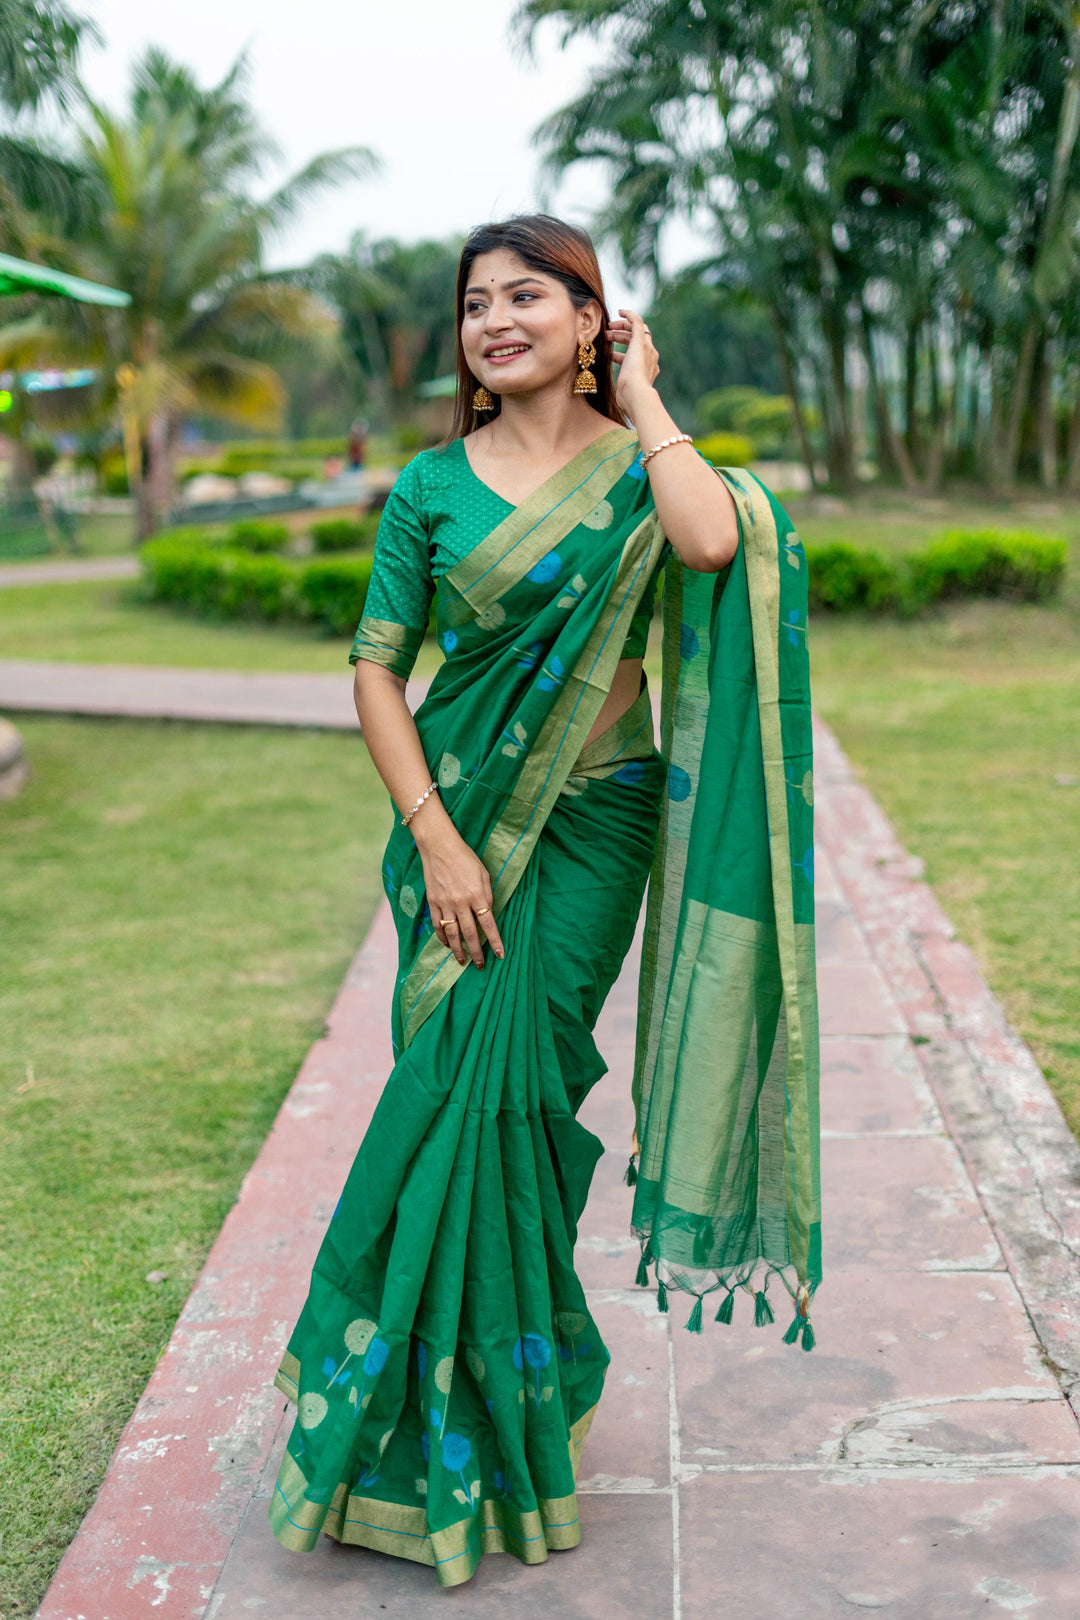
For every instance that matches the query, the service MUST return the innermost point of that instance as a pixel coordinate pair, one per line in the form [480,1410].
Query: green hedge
[726,449]
[344,534]
[188,570]
[195,571]
[256,534]
[989,562]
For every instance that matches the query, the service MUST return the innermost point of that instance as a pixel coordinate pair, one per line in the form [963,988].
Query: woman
[445,1366]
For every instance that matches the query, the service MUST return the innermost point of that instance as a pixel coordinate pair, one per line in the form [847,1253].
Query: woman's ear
[590,320]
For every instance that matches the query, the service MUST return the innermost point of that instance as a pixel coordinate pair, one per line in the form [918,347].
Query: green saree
[445,1365]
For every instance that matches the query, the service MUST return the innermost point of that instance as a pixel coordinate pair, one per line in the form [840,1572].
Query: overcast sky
[433,86]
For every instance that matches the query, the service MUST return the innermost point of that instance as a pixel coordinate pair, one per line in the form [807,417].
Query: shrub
[989,562]
[190,569]
[844,577]
[717,410]
[187,569]
[112,474]
[288,460]
[1025,567]
[344,534]
[331,592]
[726,449]
[255,534]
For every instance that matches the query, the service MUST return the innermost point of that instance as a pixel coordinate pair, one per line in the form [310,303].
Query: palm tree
[39,49]
[396,303]
[178,229]
[896,176]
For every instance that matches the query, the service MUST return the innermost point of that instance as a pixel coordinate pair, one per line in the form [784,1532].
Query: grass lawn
[102,622]
[180,904]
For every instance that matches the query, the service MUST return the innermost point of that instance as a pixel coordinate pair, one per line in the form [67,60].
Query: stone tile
[874,1083]
[607,1253]
[907,1365]
[853,999]
[902,1202]
[629,1443]
[826,1546]
[837,936]
[1003,1432]
[827,885]
[622,1570]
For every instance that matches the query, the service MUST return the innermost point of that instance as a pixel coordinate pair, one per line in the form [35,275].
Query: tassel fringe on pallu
[800,1327]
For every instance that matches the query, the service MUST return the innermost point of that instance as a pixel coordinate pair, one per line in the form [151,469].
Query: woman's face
[519,329]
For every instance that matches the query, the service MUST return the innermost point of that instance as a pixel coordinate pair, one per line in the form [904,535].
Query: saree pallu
[446,1366]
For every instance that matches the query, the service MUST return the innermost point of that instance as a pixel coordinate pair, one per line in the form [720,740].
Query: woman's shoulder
[424,474]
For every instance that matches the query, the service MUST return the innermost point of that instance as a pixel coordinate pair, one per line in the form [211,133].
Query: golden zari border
[401,1528]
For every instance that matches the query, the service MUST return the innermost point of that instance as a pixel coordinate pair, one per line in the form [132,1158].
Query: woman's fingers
[488,924]
[460,932]
[450,934]
[470,936]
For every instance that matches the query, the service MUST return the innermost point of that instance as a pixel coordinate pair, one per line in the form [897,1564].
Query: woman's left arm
[694,505]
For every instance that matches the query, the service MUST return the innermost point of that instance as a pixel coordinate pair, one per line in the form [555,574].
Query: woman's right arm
[456,880]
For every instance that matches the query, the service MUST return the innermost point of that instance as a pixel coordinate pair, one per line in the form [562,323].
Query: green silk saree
[446,1366]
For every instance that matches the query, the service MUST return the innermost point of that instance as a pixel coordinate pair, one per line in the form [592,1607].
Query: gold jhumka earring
[585,382]
[482,400]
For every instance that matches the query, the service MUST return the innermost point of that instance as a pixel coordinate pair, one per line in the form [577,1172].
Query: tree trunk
[892,451]
[1021,399]
[1072,468]
[1048,448]
[911,376]
[841,461]
[791,383]
[935,450]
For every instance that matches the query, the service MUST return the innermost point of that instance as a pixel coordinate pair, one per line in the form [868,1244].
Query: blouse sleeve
[399,593]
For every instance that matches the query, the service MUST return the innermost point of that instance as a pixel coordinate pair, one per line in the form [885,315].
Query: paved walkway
[923,1461]
[154,691]
[64,570]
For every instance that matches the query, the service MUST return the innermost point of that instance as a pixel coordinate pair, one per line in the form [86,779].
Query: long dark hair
[555,249]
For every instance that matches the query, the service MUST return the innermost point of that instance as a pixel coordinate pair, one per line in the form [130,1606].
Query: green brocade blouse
[437,511]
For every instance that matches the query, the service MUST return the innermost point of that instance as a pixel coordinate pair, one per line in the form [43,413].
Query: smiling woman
[446,1366]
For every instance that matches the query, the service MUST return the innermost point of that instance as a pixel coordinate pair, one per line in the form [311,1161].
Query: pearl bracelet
[680,438]
[425,795]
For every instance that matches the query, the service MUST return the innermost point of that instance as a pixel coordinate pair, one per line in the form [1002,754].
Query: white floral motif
[407,898]
[449,771]
[491,617]
[311,1410]
[601,516]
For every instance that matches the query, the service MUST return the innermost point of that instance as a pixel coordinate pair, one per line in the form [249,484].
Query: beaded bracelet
[680,438]
[425,795]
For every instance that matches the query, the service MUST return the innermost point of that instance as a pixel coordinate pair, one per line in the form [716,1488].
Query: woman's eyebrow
[507,285]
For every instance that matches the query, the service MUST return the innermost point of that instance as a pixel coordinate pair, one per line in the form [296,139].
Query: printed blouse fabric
[437,511]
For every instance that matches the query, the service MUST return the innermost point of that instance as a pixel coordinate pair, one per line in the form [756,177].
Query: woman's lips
[505,359]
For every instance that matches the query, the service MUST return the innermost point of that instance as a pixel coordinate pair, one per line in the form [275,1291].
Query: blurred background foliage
[889,195]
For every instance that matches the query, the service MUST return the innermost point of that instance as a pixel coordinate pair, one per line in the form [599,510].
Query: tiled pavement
[923,1461]
[158,692]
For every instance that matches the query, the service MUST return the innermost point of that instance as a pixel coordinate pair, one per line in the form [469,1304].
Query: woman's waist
[629,736]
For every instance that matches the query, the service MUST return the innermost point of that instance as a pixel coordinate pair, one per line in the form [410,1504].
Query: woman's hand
[695,508]
[639,366]
[458,887]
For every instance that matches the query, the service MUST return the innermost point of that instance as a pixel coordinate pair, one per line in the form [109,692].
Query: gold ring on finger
[445,920]
[482,909]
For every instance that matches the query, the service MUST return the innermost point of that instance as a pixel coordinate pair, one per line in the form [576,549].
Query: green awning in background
[18,276]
